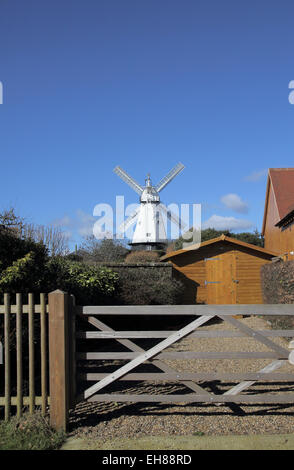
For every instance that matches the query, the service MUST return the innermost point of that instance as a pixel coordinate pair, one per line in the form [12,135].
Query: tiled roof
[283,186]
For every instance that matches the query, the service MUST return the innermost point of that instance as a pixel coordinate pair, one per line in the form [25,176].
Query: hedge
[277,281]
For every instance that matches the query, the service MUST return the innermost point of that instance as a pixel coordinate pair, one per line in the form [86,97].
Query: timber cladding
[278,220]
[221,271]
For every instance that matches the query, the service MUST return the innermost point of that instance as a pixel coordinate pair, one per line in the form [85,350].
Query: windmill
[150,230]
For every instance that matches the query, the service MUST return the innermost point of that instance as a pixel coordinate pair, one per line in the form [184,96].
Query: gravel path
[105,421]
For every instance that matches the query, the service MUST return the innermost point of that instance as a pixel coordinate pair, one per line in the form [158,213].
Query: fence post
[59,359]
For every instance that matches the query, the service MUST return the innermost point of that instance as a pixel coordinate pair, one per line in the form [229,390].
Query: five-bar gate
[99,317]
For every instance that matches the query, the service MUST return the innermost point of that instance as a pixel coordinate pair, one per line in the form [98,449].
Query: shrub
[13,248]
[142,257]
[89,284]
[21,264]
[141,286]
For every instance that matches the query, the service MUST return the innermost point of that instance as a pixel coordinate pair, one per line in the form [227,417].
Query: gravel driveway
[105,421]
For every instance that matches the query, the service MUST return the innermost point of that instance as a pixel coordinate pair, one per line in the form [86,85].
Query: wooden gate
[98,317]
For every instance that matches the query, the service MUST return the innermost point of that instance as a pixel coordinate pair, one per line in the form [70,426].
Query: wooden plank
[194,398]
[19,371]
[7,365]
[180,376]
[166,334]
[146,355]
[43,327]
[38,308]
[156,362]
[257,336]
[181,355]
[244,309]
[26,401]
[72,350]
[31,354]
[200,310]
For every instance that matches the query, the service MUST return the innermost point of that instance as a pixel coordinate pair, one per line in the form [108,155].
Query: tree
[8,218]
[106,250]
[52,237]
[254,238]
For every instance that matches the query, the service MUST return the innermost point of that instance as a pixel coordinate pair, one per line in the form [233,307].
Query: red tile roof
[283,186]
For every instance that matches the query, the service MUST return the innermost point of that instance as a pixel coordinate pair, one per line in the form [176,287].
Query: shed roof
[281,181]
[217,240]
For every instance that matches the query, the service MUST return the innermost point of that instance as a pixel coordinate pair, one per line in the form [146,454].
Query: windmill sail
[169,177]
[173,217]
[128,179]
[129,221]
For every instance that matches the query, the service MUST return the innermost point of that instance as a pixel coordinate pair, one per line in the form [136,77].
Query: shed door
[221,279]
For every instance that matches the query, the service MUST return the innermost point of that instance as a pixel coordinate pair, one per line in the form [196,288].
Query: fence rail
[182,310]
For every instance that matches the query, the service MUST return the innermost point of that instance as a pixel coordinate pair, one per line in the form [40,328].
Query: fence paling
[43,354]
[7,372]
[31,354]
[19,354]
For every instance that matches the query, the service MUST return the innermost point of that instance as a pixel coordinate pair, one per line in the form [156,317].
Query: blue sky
[88,85]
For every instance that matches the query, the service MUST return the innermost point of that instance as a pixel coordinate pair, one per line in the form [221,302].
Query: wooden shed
[223,270]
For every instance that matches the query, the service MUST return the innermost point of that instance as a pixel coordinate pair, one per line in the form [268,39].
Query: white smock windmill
[150,231]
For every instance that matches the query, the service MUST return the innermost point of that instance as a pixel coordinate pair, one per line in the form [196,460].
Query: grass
[30,432]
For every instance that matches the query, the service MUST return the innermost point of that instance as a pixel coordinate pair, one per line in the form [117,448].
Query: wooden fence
[67,372]
[13,343]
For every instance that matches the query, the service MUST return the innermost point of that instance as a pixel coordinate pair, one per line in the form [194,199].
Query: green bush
[26,267]
[89,284]
[12,248]
[142,286]
[21,264]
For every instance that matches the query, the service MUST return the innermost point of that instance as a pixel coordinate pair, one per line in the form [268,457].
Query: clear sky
[144,84]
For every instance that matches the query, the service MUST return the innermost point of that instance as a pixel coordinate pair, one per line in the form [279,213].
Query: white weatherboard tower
[150,232]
